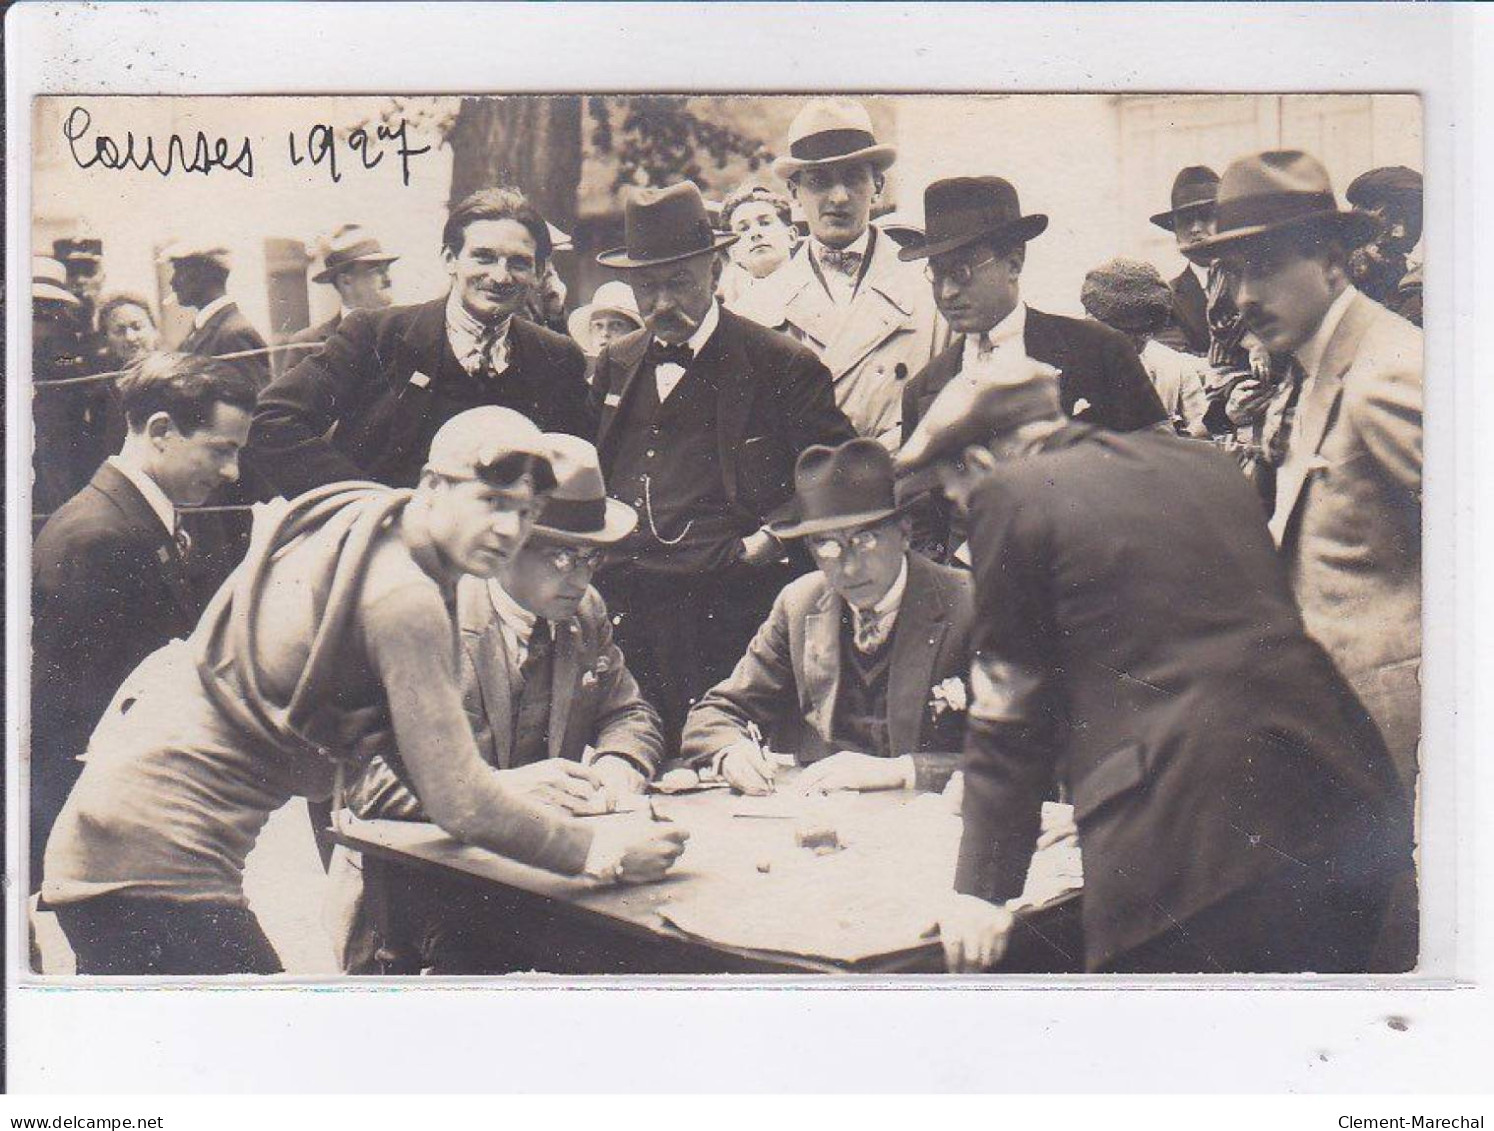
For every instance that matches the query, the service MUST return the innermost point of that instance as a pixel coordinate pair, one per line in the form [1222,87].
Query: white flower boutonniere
[950,695]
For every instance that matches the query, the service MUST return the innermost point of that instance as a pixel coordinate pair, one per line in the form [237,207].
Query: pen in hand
[765,758]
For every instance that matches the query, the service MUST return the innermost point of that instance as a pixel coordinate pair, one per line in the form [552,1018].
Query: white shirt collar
[704,331]
[203,315]
[150,490]
[1310,353]
[1199,273]
[513,615]
[1012,328]
[466,333]
[892,600]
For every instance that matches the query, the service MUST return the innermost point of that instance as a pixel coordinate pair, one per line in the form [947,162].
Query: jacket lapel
[483,648]
[821,680]
[563,685]
[808,306]
[722,358]
[624,362]
[915,646]
[127,499]
[1317,411]
[424,351]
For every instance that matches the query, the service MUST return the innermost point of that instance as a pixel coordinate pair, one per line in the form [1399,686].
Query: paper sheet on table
[879,895]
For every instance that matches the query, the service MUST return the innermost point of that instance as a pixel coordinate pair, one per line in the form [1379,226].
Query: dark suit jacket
[1135,632]
[595,701]
[228,331]
[1099,372]
[316,334]
[788,679]
[775,400]
[1190,313]
[108,588]
[377,379]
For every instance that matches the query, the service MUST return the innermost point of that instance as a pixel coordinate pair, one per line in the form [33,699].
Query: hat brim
[790,528]
[880,157]
[1356,227]
[1167,221]
[619,259]
[326,275]
[579,322]
[620,522]
[1017,231]
[51,292]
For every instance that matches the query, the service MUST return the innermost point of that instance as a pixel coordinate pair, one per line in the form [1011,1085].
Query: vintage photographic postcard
[542,534]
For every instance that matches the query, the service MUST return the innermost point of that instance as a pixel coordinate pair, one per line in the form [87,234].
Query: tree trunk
[529,141]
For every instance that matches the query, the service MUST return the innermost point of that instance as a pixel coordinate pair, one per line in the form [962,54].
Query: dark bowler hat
[1379,185]
[1277,191]
[976,409]
[578,509]
[839,488]
[1195,187]
[961,210]
[350,244]
[665,226]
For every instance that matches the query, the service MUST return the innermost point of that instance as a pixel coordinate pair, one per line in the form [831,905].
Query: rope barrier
[115,374]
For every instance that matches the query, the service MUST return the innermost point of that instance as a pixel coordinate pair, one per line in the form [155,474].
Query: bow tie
[661,353]
[845,262]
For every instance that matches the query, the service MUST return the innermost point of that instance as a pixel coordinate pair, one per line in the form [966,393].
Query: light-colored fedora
[832,131]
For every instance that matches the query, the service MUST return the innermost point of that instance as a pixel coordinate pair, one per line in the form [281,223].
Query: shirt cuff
[602,862]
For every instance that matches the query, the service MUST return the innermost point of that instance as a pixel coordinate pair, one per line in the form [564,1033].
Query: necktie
[872,630]
[492,352]
[532,718]
[1276,431]
[843,262]
[183,539]
[984,347]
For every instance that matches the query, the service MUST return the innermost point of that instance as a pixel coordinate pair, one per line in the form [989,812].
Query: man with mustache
[703,416]
[845,294]
[366,406]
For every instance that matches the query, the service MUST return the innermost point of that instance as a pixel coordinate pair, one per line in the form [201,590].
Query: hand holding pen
[748,765]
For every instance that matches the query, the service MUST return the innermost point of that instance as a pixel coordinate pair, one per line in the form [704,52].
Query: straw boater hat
[961,210]
[976,409]
[832,131]
[49,282]
[1282,190]
[665,226]
[840,488]
[1193,189]
[612,297]
[578,509]
[348,245]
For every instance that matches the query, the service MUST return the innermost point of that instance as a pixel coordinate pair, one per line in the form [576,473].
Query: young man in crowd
[366,405]
[1136,640]
[199,280]
[860,668]
[845,294]
[764,223]
[703,414]
[110,578]
[334,642]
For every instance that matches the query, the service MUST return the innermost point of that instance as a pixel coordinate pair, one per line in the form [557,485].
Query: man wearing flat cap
[554,709]
[367,404]
[702,416]
[975,243]
[356,266]
[860,668]
[1346,428]
[1382,268]
[844,293]
[199,280]
[1135,638]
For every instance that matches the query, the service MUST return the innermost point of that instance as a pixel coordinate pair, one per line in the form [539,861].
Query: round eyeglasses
[831,549]
[572,559]
[959,274]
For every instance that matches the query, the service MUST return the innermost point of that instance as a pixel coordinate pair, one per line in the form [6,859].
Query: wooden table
[871,904]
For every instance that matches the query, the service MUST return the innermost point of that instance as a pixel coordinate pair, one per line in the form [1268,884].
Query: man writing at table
[860,666]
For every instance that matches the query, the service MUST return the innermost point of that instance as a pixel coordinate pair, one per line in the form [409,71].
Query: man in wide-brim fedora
[1136,640]
[356,266]
[702,416]
[1347,424]
[845,293]
[860,668]
[1195,193]
[975,245]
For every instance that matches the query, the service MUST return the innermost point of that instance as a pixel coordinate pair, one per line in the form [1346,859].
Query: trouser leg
[125,935]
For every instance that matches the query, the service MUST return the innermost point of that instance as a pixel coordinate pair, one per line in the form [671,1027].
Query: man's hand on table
[628,852]
[617,777]
[559,782]
[747,768]
[859,773]
[974,933]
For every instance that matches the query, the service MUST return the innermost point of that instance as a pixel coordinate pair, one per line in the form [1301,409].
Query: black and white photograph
[504,537]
